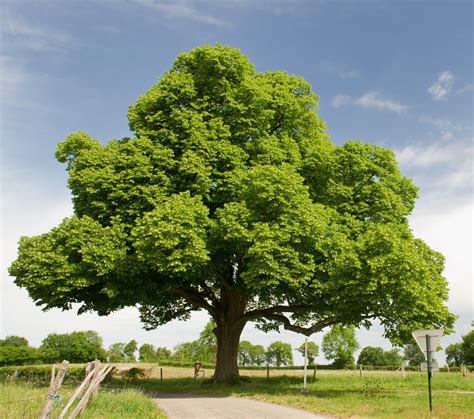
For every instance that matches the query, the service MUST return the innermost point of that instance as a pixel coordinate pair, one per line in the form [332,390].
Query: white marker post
[305,361]
[428,340]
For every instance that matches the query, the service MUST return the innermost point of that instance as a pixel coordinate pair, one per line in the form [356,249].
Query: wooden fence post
[161,374]
[80,389]
[56,382]
[360,370]
[314,372]
[95,381]
[268,372]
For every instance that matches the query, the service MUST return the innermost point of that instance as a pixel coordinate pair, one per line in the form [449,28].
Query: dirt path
[191,406]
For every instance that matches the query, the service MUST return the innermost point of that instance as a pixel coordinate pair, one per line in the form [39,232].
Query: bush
[19,355]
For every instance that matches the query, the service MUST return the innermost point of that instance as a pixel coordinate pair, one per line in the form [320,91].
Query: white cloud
[181,10]
[376,100]
[446,129]
[441,88]
[370,100]
[341,100]
[423,156]
[20,33]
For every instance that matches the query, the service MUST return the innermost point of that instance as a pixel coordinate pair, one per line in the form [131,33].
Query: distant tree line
[338,345]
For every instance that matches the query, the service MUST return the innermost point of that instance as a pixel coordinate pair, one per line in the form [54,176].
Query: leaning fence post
[78,392]
[56,382]
[360,370]
[94,383]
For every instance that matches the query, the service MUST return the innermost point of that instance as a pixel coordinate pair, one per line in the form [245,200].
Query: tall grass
[26,401]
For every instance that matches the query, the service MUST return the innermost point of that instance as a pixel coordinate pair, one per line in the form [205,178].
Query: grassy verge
[26,401]
[386,395]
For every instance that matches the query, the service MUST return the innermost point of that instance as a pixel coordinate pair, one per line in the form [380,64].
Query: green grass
[344,394]
[26,401]
[336,393]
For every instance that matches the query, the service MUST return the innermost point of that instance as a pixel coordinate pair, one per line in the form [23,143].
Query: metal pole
[428,363]
[305,361]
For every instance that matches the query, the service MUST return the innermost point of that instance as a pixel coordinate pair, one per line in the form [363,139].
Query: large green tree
[231,198]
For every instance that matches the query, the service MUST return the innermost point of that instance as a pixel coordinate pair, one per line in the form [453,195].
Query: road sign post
[427,340]
[428,351]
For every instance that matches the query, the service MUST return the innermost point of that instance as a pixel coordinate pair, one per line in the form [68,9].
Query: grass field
[26,401]
[336,393]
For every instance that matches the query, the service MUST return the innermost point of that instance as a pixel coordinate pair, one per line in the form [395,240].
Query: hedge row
[288,367]
[319,367]
[40,374]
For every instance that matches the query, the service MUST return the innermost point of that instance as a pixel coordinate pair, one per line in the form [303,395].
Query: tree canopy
[231,198]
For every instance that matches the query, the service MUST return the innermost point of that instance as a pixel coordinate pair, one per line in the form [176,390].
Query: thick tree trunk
[228,331]
[228,338]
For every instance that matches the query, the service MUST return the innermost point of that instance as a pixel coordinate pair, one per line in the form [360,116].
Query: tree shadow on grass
[189,388]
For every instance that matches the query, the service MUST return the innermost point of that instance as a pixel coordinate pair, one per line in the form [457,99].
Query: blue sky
[398,74]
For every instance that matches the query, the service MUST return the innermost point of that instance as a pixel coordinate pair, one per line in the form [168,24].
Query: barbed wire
[24,400]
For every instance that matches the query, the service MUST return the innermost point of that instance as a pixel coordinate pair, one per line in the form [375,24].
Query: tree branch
[316,327]
[307,331]
[254,314]
[195,298]
[209,293]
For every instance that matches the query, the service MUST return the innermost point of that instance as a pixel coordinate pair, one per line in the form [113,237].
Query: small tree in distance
[14,341]
[461,353]
[148,353]
[413,355]
[313,351]
[376,356]
[279,353]
[81,346]
[339,345]
[454,355]
[231,198]
[163,353]
[130,349]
